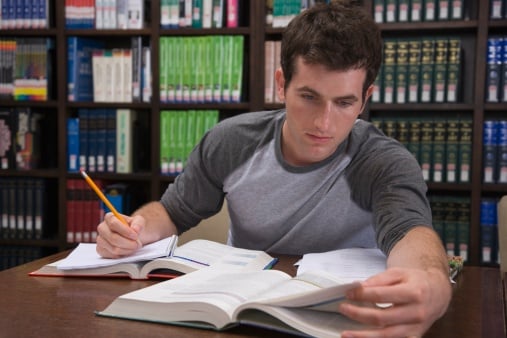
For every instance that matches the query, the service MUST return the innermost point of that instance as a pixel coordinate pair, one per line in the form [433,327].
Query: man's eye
[307,96]
[344,104]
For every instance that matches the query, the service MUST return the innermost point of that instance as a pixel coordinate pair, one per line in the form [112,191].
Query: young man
[312,177]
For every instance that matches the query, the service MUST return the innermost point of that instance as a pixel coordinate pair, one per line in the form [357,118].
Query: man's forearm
[158,222]
[420,248]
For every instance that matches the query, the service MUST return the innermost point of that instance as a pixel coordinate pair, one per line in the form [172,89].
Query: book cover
[463,228]
[414,138]
[416,10]
[488,229]
[430,10]
[196,13]
[391,10]
[443,11]
[236,86]
[135,14]
[403,10]
[232,16]
[451,226]
[378,11]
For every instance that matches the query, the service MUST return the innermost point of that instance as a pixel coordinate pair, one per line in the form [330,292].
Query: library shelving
[473,28]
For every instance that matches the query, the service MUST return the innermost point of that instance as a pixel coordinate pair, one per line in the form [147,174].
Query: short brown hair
[340,35]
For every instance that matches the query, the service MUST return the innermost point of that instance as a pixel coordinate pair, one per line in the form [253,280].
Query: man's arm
[416,283]
[148,224]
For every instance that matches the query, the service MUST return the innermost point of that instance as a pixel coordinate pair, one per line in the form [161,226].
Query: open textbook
[157,260]
[211,298]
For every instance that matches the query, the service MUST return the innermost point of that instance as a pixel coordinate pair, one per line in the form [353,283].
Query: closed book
[110,140]
[439,149]
[493,69]
[454,67]
[414,68]
[502,151]
[452,150]
[465,149]
[451,226]
[80,69]
[427,69]
[72,144]
[389,71]
[440,75]
[83,115]
[402,64]
[463,227]
[490,148]
[70,210]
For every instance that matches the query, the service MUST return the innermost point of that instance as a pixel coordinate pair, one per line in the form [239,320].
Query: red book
[232,13]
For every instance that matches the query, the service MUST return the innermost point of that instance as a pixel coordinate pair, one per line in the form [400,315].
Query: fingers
[115,239]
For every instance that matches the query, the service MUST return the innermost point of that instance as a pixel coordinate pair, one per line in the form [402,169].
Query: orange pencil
[103,198]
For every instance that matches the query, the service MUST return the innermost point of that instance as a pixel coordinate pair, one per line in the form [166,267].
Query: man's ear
[280,84]
[367,96]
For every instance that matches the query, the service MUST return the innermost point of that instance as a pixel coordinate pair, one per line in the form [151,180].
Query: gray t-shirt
[369,193]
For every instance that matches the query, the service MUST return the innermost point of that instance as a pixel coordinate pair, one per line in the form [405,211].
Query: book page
[85,256]
[206,253]
[206,295]
[353,264]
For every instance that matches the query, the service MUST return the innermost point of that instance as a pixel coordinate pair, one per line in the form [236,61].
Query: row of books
[27,14]
[495,151]
[451,220]
[201,69]
[496,69]
[107,140]
[489,231]
[200,13]
[22,208]
[104,14]
[23,132]
[180,131]
[84,211]
[498,9]
[442,146]
[11,255]
[98,74]
[280,12]
[271,63]
[417,10]
[420,70]
[26,68]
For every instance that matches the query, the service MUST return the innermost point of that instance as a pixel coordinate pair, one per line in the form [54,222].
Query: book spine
[450,226]
[493,69]
[454,70]
[401,81]
[414,66]
[452,150]
[427,69]
[465,150]
[427,147]
[440,75]
[502,151]
[378,11]
[488,223]
[389,71]
[232,13]
[83,138]
[70,203]
[439,150]
[490,151]
[463,231]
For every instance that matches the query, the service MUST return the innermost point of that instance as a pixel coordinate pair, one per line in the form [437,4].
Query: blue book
[79,68]
[101,142]
[490,146]
[73,144]
[488,228]
[111,140]
[493,68]
[83,138]
[502,151]
[93,142]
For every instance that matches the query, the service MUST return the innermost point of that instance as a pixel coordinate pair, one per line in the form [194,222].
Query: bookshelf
[474,30]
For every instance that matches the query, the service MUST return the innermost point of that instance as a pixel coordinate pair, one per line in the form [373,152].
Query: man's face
[322,107]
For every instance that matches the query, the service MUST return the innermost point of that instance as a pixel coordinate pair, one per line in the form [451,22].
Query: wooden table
[64,307]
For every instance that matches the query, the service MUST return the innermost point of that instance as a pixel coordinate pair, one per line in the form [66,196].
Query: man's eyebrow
[314,92]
